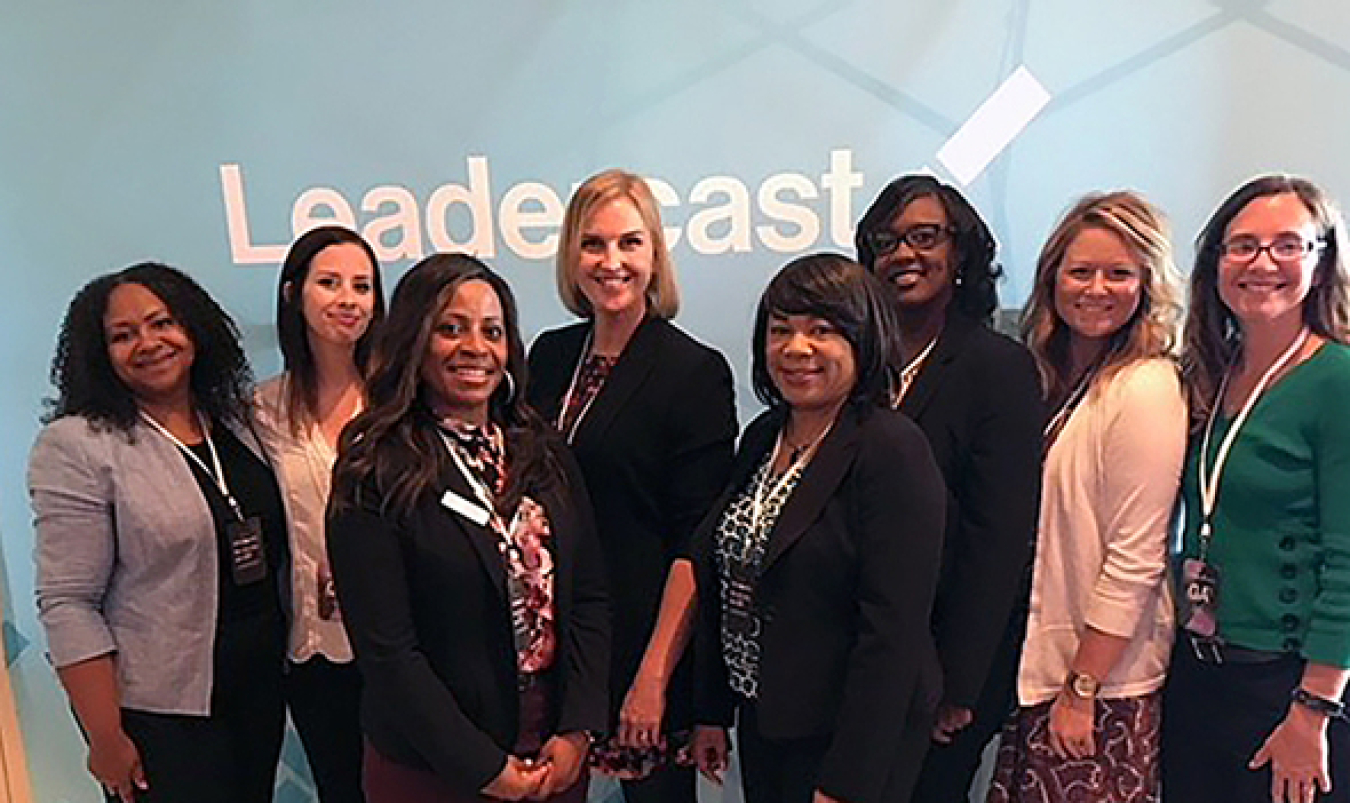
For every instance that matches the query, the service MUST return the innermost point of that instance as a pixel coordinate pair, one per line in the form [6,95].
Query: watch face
[1085,685]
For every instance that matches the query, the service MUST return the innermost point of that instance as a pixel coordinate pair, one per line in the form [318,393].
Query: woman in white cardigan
[1101,324]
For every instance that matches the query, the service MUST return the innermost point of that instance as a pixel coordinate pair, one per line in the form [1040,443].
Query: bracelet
[1333,709]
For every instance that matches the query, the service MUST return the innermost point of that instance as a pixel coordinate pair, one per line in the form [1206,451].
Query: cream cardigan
[1110,487]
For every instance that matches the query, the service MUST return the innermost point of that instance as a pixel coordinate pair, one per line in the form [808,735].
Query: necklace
[799,451]
[800,456]
[911,370]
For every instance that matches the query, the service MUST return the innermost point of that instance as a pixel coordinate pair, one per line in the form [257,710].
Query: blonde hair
[663,294]
[1152,330]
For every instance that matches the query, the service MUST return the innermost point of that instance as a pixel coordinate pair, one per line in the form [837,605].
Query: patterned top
[590,379]
[523,544]
[741,541]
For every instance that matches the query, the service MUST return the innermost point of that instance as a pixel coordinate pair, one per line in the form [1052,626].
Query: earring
[510,386]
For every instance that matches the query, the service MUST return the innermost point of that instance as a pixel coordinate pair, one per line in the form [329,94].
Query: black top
[978,400]
[655,448]
[254,486]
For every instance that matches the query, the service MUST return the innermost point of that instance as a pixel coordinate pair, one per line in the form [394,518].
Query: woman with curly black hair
[161,544]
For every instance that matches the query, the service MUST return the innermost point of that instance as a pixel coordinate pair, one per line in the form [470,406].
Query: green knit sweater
[1282,525]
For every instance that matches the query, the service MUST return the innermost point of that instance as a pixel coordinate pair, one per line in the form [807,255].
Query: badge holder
[248,562]
[1199,603]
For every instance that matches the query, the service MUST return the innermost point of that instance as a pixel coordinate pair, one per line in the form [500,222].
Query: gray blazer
[126,560]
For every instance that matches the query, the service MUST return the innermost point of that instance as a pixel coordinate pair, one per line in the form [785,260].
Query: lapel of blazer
[937,371]
[482,538]
[554,374]
[635,364]
[816,487]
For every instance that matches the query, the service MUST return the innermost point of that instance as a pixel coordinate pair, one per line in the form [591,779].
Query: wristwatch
[1334,709]
[1082,686]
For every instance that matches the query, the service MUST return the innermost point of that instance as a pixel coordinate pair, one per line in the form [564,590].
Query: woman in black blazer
[816,572]
[650,415]
[465,559]
[976,395]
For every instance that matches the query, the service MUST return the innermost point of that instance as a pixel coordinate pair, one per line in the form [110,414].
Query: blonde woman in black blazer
[650,415]
[465,560]
[817,570]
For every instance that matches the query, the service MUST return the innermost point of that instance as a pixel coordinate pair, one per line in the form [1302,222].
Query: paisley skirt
[1124,768]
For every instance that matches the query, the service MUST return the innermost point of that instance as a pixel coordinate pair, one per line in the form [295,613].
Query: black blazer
[844,595]
[656,449]
[978,399]
[425,604]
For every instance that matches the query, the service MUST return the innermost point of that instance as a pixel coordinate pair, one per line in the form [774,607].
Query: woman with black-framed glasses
[1254,705]
[976,396]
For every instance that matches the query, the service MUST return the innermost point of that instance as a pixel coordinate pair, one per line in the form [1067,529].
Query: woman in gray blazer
[161,544]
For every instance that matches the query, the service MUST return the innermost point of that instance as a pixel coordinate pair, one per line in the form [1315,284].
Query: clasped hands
[555,770]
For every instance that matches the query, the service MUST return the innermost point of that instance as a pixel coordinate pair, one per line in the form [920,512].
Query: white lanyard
[480,488]
[219,472]
[757,497]
[911,370]
[1209,481]
[571,389]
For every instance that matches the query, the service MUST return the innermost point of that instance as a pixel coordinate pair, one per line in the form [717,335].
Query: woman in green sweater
[1253,709]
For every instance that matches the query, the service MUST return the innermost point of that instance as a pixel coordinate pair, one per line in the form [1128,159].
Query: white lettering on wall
[784,215]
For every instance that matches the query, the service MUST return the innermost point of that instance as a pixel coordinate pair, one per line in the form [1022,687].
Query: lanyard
[480,488]
[1209,480]
[218,475]
[758,498]
[1061,417]
[571,433]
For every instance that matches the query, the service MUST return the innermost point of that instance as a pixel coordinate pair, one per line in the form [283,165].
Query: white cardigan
[1110,486]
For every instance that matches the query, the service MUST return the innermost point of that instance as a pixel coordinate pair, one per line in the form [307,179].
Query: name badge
[1200,598]
[248,562]
[473,512]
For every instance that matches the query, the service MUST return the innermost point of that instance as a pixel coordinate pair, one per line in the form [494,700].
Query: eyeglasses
[923,237]
[1284,248]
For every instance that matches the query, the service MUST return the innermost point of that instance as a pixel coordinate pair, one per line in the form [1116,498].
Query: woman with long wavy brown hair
[465,560]
[1254,708]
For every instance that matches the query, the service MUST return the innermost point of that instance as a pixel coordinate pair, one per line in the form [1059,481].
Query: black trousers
[666,785]
[949,769]
[777,770]
[230,756]
[1215,718]
[325,704]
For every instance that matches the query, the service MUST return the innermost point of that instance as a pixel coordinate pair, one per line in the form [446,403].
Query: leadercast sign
[785,215]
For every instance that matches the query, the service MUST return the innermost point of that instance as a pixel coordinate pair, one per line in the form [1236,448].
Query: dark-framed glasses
[1284,248]
[923,237]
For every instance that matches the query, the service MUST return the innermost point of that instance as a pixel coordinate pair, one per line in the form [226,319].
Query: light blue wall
[115,120]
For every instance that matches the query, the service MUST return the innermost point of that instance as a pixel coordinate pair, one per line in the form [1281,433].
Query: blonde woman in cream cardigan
[1101,325]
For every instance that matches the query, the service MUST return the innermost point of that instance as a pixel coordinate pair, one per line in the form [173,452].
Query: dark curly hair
[86,385]
[839,290]
[976,291]
[393,449]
